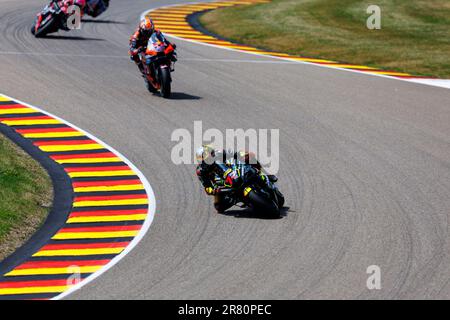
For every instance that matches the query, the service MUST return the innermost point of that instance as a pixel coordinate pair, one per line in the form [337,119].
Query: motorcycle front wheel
[44,29]
[164,74]
[264,205]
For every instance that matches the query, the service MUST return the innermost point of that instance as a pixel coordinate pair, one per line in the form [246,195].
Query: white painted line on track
[145,227]
[69,55]
[444,83]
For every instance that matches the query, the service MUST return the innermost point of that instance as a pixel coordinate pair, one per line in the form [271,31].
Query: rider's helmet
[146,27]
[205,153]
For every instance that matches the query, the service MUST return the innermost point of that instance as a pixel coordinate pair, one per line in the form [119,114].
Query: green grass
[414,35]
[25,196]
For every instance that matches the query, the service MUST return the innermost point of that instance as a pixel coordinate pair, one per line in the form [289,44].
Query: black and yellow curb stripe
[176,20]
[107,206]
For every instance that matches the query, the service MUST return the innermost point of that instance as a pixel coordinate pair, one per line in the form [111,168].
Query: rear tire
[164,74]
[262,204]
[33,29]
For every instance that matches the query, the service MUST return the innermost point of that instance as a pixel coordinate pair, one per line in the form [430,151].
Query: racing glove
[213,191]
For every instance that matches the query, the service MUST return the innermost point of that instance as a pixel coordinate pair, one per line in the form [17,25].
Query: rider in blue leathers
[94,8]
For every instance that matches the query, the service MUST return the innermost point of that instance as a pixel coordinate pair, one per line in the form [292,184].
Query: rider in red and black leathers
[139,40]
[94,8]
[67,3]
[65,8]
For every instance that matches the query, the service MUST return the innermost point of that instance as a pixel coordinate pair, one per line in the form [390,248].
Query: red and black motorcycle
[54,16]
[158,62]
[51,19]
[48,20]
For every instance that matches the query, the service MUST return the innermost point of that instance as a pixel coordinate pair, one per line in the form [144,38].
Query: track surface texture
[365,165]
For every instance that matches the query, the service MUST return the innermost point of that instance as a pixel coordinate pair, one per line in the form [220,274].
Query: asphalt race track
[365,164]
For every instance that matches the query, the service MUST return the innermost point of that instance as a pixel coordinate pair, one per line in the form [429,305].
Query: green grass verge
[414,35]
[25,196]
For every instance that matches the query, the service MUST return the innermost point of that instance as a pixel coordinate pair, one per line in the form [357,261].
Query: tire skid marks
[174,20]
[110,206]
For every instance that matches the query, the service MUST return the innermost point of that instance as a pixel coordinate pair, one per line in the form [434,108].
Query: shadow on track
[183,96]
[102,21]
[251,214]
[58,37]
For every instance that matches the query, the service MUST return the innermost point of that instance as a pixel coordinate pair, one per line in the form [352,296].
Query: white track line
[442,83]
[145,227]
[69,55]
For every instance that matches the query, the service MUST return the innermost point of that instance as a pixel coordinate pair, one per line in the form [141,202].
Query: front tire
[45,29]
[164,74]
[263,204]
[280,198]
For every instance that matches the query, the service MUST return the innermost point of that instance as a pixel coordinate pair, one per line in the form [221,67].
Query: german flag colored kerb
[111,205]
[175,21]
